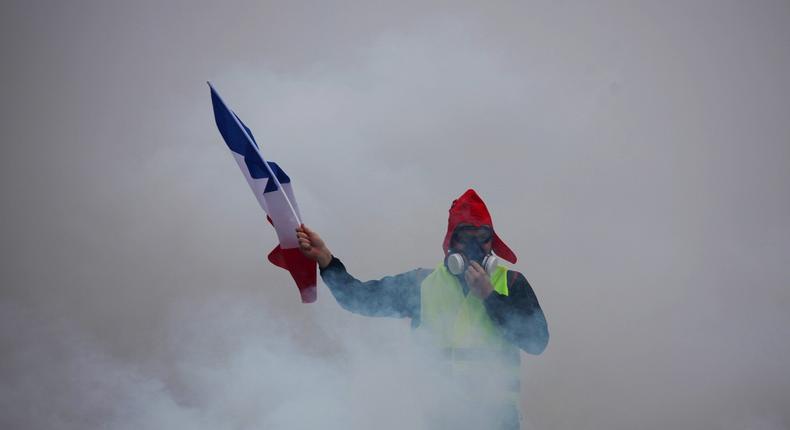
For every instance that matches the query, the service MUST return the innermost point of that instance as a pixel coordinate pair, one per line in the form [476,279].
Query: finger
[477,267]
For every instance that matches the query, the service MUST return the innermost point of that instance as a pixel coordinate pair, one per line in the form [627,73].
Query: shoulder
[414,276]
[517,280]
[421,273]
[515,275]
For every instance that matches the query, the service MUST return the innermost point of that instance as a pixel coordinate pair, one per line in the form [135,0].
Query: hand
[312,246]
[478,281]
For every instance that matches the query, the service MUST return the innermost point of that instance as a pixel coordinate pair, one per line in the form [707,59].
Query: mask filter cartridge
[457,263]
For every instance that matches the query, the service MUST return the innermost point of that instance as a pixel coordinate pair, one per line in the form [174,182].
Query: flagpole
[257,150]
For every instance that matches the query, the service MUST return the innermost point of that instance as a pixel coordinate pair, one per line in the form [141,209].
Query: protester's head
[469,219]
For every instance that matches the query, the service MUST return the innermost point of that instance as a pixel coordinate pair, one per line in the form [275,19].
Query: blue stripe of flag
[237,142]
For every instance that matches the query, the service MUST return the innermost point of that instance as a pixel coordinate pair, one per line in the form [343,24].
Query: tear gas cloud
[230,369]
[634,156]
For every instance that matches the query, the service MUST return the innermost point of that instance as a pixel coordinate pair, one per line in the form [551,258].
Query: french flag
[272,188]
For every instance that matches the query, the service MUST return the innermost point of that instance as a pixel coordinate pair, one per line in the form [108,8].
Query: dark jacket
[518,314]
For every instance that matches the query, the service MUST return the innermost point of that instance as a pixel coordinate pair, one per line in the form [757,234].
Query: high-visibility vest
[459,324]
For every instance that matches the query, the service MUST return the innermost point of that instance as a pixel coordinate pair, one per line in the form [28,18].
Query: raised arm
[392,296]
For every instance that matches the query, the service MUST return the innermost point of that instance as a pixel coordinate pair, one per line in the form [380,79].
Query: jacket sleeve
[519,315]
[392,296]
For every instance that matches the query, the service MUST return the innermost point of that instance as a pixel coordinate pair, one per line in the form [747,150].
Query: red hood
[470,209]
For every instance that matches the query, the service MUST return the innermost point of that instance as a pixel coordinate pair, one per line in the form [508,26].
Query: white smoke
[229,366]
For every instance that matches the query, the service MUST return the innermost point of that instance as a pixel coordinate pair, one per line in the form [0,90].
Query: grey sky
[635,155]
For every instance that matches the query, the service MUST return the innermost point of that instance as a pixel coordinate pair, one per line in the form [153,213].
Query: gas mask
[457,262]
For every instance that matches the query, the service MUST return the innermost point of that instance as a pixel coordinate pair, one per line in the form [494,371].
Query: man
[477,312]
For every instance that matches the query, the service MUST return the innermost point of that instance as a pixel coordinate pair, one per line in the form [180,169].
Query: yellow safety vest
[459,324]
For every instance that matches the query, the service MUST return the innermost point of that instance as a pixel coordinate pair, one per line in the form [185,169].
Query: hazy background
[635,155]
